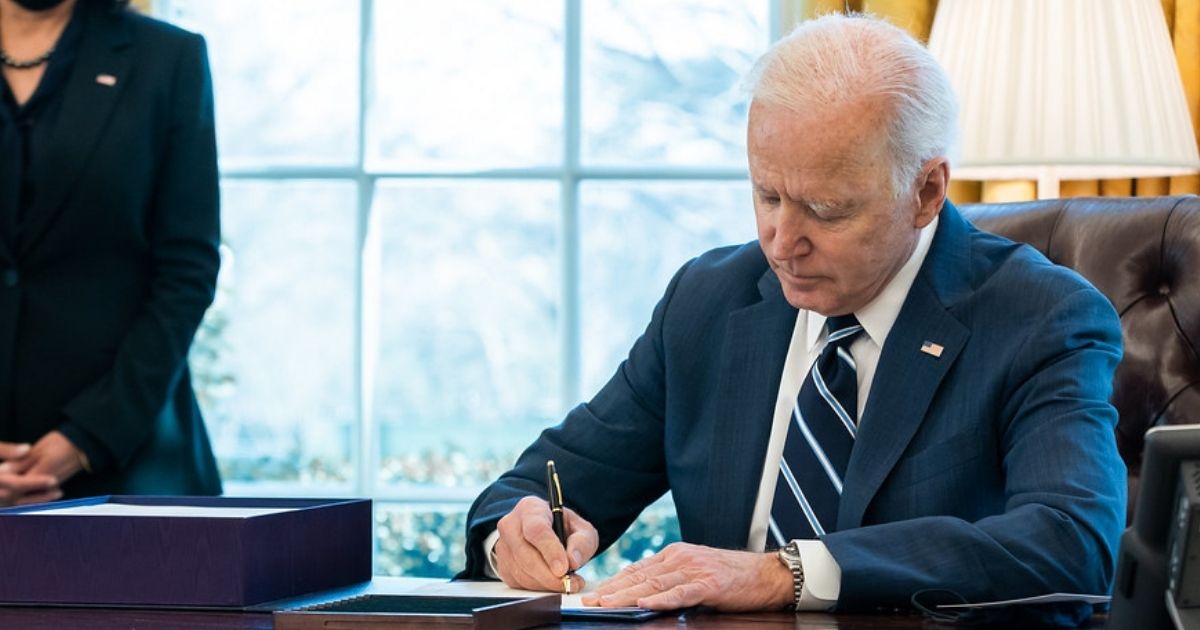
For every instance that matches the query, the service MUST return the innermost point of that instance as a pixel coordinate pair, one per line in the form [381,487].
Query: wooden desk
[128,619]
[60,618]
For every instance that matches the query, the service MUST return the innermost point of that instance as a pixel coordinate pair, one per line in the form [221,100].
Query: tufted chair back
[1144,254]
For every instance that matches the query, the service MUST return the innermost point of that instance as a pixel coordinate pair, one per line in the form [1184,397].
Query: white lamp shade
[1068,89]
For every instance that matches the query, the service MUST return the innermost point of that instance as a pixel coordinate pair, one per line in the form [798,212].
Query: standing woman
[108,251]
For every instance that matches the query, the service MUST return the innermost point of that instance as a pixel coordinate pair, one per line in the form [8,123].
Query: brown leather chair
[1144,254]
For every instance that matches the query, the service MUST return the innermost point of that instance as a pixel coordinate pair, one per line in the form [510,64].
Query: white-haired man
[891,398]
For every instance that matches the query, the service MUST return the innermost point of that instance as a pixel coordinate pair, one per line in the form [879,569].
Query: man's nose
[792,231]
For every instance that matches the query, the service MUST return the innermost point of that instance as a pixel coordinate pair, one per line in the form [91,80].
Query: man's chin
[811,293]
[809,301]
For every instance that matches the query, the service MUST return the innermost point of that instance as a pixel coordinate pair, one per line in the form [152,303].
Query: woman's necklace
[23,65]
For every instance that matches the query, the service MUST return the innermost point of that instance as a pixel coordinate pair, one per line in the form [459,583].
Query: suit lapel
[89,97]
[907,376]
[755,347]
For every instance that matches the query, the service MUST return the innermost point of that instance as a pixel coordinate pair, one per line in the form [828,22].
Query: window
[444,225]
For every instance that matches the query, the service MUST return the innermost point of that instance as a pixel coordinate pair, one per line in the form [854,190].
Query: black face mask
[39,5]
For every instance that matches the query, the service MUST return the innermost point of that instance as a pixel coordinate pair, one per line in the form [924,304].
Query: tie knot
[842,329]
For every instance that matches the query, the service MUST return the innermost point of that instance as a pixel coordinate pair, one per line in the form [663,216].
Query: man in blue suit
[893,399]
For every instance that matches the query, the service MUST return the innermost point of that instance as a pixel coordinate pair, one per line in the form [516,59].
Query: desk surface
[47,618]
[57,618]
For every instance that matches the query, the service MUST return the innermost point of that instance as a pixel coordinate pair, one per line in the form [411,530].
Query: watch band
[789,555]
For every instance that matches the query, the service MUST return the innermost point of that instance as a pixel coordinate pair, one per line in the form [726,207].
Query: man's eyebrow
[827,205]
[761,188]
[818,205]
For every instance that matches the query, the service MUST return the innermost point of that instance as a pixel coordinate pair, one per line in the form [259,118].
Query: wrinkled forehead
[850,140]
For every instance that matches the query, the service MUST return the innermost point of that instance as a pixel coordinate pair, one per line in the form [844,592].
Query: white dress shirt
[822,575]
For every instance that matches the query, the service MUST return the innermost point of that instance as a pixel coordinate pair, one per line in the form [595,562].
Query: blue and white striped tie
[819,439]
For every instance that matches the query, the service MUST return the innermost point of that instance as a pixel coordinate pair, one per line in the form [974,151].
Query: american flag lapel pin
[932,349]
[106,80]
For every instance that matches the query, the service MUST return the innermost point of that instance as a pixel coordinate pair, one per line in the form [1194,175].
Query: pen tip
[549,463]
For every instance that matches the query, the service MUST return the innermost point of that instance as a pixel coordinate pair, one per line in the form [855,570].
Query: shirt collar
[878,316]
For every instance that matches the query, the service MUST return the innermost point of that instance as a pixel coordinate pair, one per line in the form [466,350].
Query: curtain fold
[916,16]
[1185,34]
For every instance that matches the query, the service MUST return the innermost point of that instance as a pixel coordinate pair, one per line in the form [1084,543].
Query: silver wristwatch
[789,556]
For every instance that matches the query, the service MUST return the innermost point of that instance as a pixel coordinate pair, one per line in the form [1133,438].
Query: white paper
[469,588]
[570,602]
[1050,598]
[174,511]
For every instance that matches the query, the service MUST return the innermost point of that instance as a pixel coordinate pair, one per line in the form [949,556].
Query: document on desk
[572,605]
[1051,598]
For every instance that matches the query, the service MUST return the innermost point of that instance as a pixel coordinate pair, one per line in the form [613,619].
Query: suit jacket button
[11,278]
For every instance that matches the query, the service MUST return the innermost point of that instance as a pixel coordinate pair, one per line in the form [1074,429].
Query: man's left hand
[685,575]
[52,455]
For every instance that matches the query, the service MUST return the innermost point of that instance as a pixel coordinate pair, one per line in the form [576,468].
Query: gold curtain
[916,16]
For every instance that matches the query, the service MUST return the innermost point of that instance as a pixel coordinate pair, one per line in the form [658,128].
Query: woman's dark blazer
[116,263]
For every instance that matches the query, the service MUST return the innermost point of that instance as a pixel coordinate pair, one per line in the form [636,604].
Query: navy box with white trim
[266,549]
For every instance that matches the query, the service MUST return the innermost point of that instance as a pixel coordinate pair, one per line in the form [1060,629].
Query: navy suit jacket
[117,262]
[991,470]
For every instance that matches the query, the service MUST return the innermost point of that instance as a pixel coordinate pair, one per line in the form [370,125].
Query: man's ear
[930,189]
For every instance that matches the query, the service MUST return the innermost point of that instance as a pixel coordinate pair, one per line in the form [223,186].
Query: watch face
[790,553]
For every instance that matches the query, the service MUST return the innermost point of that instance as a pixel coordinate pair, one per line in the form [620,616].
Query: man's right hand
[528,554]
[17,488]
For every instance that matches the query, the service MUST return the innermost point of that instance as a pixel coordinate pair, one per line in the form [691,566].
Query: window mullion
[572,129]
[364,456]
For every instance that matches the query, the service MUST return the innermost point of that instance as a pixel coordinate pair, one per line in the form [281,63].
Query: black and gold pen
[556,512]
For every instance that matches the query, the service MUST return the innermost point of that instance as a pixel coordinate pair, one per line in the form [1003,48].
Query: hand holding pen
[529,554]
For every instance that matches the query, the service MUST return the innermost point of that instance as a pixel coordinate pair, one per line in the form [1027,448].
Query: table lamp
[1064,89]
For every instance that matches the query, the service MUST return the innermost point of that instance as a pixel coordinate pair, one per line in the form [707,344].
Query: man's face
[828,221]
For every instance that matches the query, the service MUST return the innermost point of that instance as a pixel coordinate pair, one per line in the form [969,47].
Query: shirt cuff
[822,576]
[489,552]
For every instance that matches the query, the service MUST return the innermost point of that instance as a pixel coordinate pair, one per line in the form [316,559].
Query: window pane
[661,80]
[634,237]
[469,84]
[285,76]
[420,540]
[468,366]
[273,360]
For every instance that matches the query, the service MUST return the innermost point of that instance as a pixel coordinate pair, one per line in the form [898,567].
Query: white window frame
[569,175]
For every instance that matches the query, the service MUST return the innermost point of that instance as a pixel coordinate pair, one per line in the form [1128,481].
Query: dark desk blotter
[424,611]
[156,561]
